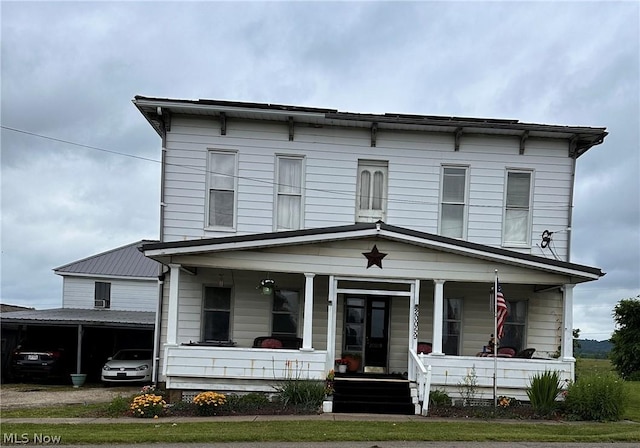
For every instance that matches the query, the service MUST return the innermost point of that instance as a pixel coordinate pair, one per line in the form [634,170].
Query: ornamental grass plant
[543,392]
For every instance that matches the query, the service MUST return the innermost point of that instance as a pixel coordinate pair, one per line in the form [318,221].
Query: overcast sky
[70,70]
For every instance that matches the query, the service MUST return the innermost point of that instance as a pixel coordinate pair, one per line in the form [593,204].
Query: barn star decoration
[374,258]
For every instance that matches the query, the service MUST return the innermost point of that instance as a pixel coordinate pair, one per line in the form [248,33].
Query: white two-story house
[326,233]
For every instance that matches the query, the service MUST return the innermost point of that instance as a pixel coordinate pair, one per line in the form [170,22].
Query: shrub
[468,387]
[118,406]
[597,397]
[207,402]
[439,398]
[543,391]
[246,404]
[148,406]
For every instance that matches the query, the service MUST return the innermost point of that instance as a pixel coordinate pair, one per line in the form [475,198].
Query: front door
[367,330]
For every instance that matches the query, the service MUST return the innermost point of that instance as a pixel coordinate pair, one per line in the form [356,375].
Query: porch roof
[163,251]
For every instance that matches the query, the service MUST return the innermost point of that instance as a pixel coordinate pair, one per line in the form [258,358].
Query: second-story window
[221,184]
[372,190]
[453,202]
[102,295]
[517,211]
[289,193]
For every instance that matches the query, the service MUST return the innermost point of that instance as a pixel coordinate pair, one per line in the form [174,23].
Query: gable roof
[125,261]
[363,230]
[158,112]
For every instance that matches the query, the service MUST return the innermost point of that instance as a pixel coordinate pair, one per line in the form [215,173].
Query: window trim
[527,242]
[203,309]
[465,203]
[277,194]
[366,164]
[207,200]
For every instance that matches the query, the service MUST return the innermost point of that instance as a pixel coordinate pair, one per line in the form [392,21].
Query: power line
[252,179]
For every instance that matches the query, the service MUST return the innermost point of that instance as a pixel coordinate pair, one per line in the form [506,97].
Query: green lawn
[163,431]
[316,431]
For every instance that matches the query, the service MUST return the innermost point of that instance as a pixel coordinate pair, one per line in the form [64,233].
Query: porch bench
[290,342]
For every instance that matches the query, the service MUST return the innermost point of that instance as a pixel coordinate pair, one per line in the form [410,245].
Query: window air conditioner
[100,303]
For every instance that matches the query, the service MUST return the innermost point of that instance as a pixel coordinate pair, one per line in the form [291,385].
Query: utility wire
[252,179]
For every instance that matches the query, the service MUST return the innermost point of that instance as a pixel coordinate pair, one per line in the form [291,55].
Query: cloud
[70,70]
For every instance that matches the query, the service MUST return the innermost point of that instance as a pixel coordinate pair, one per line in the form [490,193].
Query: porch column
[331,322]
[438,306]
[307,334]
[567,322]
[172,317]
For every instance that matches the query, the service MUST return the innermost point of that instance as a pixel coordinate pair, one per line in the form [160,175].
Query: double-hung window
[372,190]
[451,326]
[221,185]
[515,325]
[517,209]
[216,314]
[284,313]
[289,193]
[102,295]
[453,202]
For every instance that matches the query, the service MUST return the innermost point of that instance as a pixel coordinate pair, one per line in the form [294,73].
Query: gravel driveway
[37,395]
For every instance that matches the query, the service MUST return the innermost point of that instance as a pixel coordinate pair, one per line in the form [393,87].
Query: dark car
[37,362]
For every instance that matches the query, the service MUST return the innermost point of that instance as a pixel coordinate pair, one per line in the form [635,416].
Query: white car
[128,366]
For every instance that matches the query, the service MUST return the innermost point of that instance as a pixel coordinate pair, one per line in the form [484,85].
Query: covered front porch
[428,289]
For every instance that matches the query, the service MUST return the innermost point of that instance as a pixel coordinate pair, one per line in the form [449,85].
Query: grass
[327,431]
[282,430]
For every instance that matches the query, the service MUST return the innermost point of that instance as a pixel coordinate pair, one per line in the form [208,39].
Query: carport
[88,336]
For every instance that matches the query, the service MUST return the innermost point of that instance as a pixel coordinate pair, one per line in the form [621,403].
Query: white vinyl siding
[289,193]
[129,295]
[222,180]
[517,209]
[331,178]
[453,202]
[372,191]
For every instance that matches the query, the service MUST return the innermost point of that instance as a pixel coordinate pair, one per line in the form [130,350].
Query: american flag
[503,312]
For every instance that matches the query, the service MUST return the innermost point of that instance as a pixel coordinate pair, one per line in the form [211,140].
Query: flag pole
[495,340]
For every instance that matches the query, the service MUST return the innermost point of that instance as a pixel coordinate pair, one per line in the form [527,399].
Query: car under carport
[88,336]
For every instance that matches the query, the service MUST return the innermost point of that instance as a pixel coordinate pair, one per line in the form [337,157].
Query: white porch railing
[513,375]
[422,376]
[200,367]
